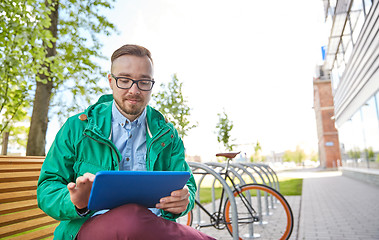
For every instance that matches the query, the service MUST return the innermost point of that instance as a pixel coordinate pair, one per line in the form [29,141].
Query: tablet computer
[111,189]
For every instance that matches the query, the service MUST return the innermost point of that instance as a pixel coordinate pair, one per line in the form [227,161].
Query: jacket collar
[155,122]
[100,118]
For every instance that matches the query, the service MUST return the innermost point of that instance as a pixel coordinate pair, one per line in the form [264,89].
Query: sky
[255,60]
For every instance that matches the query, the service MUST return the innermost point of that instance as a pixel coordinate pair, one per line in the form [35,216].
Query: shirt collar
[118,118]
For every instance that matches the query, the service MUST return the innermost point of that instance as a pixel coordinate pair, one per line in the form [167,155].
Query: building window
[348,51]
[377,105]
[359,136]
[357,25]
[332,7]
[335,76]
[370,124]
[367,6]
[357,5]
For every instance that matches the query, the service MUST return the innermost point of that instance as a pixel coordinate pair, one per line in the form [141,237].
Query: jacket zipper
[118,159]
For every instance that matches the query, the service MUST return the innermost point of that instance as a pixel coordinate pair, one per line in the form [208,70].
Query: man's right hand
[81,190]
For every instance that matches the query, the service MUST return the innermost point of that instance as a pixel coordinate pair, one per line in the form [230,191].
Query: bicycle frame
[217,220]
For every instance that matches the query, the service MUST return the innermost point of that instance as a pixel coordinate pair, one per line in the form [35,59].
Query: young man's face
[131,102]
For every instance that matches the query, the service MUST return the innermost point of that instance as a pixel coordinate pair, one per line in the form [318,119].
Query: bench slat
[36,159]
[20,168]
[39,234]
[21,216]
[19,176]
[17,186]
[17,206]
[18,200]
[25,226]
[17,196]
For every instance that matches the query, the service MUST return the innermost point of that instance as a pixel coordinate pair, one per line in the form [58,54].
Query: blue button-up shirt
[130,140]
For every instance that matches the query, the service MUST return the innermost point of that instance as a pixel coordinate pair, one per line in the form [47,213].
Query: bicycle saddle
[227,155]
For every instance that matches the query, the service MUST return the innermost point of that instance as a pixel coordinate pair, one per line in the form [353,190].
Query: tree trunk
[4,145]
[38,124]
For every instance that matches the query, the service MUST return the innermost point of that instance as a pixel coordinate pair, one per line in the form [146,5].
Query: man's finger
[175,210]
[71,186]
[82,181]
[165,205]
[89,176]
[184,191]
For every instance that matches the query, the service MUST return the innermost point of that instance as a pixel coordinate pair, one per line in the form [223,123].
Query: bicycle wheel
[272,218]
[186,219]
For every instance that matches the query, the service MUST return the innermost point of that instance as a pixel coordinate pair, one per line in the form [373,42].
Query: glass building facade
[352,62]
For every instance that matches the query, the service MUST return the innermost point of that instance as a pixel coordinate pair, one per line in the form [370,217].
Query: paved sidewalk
[332,206]
[338,208]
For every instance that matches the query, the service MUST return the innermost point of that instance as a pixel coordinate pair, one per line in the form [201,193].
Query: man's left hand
[176,203]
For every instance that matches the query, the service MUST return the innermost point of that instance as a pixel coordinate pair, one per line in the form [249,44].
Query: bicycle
[251,218]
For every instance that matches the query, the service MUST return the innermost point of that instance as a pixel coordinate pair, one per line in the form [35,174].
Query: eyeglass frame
[134,82]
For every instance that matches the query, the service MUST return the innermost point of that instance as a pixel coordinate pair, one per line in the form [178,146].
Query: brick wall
[328,143]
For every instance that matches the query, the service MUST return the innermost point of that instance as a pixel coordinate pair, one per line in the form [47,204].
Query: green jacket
[83,146]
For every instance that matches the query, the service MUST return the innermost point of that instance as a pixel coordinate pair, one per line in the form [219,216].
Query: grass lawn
[288,187]
[291,187]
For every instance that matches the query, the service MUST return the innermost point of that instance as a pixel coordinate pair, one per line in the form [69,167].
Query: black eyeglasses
[127,83]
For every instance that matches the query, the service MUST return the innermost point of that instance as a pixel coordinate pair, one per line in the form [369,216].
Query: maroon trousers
[132,221]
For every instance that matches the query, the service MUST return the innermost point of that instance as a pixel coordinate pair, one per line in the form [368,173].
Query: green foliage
[256,157]
[354,153]
[21,56]
[370,153]
[25,40]
[296,156]
[18,135]
[173,105]
[76,73]
[224,127]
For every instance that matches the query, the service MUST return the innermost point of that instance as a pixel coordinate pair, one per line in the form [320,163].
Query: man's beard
[133,111]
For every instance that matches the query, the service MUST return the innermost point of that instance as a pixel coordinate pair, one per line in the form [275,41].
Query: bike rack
[259,166]
[244,170]
[273,174]
[242,182]
[222,166]
[213,194]
[215,165]
[265,173]
[254,168]
[194,166]
[268,172]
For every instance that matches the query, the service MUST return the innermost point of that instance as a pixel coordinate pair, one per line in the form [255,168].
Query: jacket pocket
[81,168]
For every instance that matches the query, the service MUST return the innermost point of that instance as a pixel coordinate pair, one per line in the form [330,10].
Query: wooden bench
[20,217]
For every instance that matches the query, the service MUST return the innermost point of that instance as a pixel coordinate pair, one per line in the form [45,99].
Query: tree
[354,153]
[173,105]
[224,127]
[23,31]
[70,52]
[297,156]
[256,157]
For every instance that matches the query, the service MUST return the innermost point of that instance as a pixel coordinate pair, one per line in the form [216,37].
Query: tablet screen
[111,189]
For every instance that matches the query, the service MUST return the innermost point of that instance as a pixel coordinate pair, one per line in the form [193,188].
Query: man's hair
[130,49]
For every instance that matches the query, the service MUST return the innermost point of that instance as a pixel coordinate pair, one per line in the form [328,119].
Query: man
[119,132]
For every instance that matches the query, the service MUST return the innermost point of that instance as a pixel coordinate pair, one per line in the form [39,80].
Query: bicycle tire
[277,227]
[186,219]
